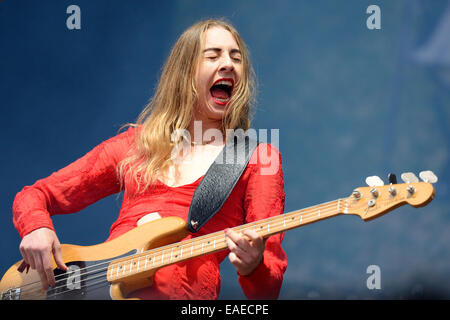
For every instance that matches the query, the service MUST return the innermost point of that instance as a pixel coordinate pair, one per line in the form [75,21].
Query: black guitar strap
[219,180]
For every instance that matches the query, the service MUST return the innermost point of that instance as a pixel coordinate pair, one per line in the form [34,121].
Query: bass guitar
[113,270]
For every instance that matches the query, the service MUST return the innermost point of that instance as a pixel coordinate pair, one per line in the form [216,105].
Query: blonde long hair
[171,108]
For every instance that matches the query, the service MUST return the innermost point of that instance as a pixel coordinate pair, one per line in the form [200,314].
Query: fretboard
[180,251]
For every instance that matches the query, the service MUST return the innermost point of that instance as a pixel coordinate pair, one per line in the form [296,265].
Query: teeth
[225,82]
[221,100]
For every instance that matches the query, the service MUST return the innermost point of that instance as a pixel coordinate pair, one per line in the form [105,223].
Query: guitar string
[324,208]
[64,292]
[222,241]
[155,251]
[107,282]
[193,241]
[249,226]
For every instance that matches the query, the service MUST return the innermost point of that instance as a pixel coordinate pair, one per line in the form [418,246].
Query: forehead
[219,37]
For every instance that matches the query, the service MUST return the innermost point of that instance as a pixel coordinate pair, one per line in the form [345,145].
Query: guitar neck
[177,252]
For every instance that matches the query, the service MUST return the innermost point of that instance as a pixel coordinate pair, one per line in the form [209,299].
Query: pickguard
[84,280]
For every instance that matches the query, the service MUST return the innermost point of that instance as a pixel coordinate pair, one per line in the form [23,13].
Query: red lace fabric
[256,196]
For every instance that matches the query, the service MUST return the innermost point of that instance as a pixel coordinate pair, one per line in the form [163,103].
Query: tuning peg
[392,178]
[374,181]
[409,177]
[428,176]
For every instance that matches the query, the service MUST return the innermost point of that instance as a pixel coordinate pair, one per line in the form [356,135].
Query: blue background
[349,102]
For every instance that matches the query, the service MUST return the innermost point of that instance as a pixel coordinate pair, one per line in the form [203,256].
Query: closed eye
[235,54]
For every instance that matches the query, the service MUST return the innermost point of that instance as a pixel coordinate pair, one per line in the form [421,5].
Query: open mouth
[222,90]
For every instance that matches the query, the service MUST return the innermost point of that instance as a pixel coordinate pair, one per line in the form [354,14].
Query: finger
[47,268]
[30,259]
[57,254]
[252,234]
[238,239]
[25,257]
[235,261]
[255,239]
[40,270]
[230,243]
[240,266]
[236,250]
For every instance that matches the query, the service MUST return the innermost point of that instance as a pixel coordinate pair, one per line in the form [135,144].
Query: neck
[148,261]
[206,131]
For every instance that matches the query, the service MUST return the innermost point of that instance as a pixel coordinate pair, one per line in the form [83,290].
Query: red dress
[256,196]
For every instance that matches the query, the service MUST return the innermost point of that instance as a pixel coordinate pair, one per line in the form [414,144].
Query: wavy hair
[172,106]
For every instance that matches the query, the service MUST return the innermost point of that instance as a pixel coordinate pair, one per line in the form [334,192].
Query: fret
[176,255]
[209,243]
[125,268]
[217,241]
[276,227]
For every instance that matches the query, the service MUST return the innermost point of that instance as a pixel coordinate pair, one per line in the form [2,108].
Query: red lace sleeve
[83,182]
[264,198]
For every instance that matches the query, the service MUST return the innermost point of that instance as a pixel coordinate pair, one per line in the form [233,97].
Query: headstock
[378,199]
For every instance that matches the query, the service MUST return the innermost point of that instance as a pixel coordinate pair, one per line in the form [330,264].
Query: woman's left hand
[246,250]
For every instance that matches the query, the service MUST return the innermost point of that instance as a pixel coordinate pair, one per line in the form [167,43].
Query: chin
[215,110]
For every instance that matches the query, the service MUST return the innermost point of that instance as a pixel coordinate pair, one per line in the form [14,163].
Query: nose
[226,64]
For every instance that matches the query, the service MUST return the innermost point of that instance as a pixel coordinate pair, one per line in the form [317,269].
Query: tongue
[219,93]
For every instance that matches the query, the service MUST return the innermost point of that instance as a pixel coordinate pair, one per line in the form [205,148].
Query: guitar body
[95,259]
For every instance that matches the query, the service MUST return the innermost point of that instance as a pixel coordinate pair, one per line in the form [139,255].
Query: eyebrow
[219,50]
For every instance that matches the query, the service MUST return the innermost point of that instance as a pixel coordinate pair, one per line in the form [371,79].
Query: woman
[207,80]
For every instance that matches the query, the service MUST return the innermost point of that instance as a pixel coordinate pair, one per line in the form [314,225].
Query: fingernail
[22,267]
